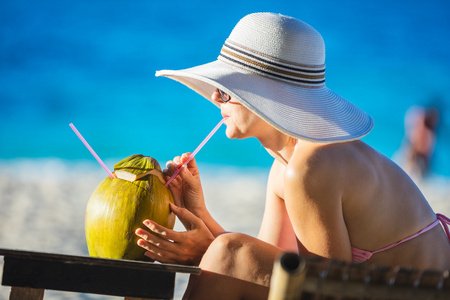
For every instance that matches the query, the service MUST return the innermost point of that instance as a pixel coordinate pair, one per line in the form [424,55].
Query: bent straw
[91,150]
[195,151]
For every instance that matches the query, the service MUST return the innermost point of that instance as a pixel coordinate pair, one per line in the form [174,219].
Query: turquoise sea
[93,63]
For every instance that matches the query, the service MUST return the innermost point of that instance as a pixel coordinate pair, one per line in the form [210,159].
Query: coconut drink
[118,206]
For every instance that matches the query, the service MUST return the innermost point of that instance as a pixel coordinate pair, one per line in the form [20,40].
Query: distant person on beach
[328,194]
[417,149]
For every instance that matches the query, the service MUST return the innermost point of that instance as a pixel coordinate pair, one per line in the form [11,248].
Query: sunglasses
[224,96]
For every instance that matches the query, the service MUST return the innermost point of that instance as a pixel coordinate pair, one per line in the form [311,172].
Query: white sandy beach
[42,206]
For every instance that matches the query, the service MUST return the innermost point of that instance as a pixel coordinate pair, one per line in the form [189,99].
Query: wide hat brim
[316,114]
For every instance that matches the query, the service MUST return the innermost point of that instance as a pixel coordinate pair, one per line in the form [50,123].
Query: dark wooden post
[20,293]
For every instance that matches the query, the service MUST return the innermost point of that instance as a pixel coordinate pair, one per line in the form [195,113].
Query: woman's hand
[186,188]
[170,246]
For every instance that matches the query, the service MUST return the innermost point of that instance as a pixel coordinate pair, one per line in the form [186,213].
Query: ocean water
[92,63]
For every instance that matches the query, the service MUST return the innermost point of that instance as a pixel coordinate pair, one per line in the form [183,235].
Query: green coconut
[118,206]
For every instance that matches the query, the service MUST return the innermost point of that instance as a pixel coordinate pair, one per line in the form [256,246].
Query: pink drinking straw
[196,151]
[92,151]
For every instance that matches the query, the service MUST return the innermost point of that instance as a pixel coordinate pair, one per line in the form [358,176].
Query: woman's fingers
[156,252]
[173,165]
[186,175]
[159,256]
[166,233]
[177,160]
[192,163]
[166,245]
[158,248]
[170,168]
[168,251]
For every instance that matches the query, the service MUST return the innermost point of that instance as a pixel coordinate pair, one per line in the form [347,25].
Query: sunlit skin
[241,122]
[321,200]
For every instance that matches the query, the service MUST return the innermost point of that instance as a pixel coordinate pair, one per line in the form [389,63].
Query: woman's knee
[241,256]
[224,252]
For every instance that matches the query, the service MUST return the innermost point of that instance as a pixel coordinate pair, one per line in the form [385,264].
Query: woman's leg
[210,285]
[235,266]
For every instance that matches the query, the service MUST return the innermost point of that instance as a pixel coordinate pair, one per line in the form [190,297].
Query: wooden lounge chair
[296,277]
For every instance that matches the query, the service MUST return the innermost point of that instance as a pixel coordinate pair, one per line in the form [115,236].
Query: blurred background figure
[416,153]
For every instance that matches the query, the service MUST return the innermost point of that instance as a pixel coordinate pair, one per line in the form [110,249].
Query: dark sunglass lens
[224,96]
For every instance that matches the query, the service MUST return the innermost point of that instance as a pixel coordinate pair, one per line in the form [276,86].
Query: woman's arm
[313,196]
[276,227]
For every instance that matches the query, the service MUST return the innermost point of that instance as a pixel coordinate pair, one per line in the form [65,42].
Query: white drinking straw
[196,151]
[91,150]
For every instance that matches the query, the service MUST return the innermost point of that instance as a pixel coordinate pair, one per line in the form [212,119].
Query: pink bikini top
[359,255]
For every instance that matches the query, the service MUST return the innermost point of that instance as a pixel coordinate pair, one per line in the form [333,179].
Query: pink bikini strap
[445,223]
[429,227]
[360,255]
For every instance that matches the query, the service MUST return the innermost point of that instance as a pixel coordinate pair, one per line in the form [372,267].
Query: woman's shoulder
[317,158]
[331,165]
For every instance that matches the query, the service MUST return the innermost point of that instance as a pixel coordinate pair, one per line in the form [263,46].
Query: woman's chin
[231,134]
[236,136]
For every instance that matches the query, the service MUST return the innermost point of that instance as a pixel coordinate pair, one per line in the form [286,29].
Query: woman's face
[241,122]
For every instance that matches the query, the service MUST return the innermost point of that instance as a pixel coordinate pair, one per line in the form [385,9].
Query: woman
[329,194]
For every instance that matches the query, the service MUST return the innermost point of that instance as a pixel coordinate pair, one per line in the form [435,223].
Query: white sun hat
[275,66]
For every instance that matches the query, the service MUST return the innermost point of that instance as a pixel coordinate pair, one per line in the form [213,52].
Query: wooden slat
[430,279]
[446,284]
[90,275]
[87,260]
[379,275]
[74,277]
[405,276]
[357,281]
[314,269]
[336,270]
